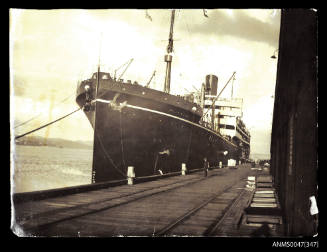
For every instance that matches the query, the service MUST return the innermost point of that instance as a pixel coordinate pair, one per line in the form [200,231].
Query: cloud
[260,141]
[239,24]
[18,86]
[52,49]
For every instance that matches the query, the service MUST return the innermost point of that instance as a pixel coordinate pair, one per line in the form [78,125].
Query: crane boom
[128,62]
[214,100]
[154,73]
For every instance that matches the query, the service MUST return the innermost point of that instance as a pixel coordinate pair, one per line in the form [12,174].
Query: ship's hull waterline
[133,131]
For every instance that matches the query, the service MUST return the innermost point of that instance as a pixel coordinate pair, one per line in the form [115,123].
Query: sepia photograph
[164,123]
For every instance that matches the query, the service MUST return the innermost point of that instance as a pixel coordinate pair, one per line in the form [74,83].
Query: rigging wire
[162,19]
[187,27]
[156,67]
[215,99]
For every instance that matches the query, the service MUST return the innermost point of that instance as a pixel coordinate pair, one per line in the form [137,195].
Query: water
[44,167]
[260,156]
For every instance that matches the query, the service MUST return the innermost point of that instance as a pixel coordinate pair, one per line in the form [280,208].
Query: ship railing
[228,99]
[243,131]
[207,125]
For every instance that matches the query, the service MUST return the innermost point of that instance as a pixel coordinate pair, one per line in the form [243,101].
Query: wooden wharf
[190,205]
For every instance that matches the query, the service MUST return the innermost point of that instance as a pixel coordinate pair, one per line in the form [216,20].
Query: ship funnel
[211,84]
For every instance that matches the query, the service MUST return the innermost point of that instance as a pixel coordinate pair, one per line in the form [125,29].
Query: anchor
[115,105]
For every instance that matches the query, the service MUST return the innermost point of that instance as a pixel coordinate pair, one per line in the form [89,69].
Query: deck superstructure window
[226,126]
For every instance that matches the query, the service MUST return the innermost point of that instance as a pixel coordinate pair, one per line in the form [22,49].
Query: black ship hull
[148,134]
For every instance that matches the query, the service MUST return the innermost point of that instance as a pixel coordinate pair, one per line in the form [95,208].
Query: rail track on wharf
[191,205]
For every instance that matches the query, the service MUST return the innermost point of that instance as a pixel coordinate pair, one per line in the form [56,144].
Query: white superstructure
[227,114]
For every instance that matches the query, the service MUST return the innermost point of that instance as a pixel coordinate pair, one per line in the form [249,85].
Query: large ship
[157,132]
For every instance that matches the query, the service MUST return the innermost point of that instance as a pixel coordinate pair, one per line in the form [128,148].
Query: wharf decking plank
[261,195]
[269,205]
[262,219]
[138,209]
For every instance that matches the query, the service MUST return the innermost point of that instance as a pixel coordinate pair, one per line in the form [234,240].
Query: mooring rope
[48,124]
[109,158]
[31,119]
[121,140]
[189,143]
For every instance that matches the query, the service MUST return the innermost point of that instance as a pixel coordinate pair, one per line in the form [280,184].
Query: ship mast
[168,56]
[98,73]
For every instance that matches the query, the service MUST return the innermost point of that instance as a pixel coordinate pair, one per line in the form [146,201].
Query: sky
[52,50]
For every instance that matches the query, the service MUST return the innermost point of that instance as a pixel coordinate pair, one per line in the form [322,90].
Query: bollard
[183,169]
[231,162]
[220,164]
[206,167]
[130,175]
[251,182]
